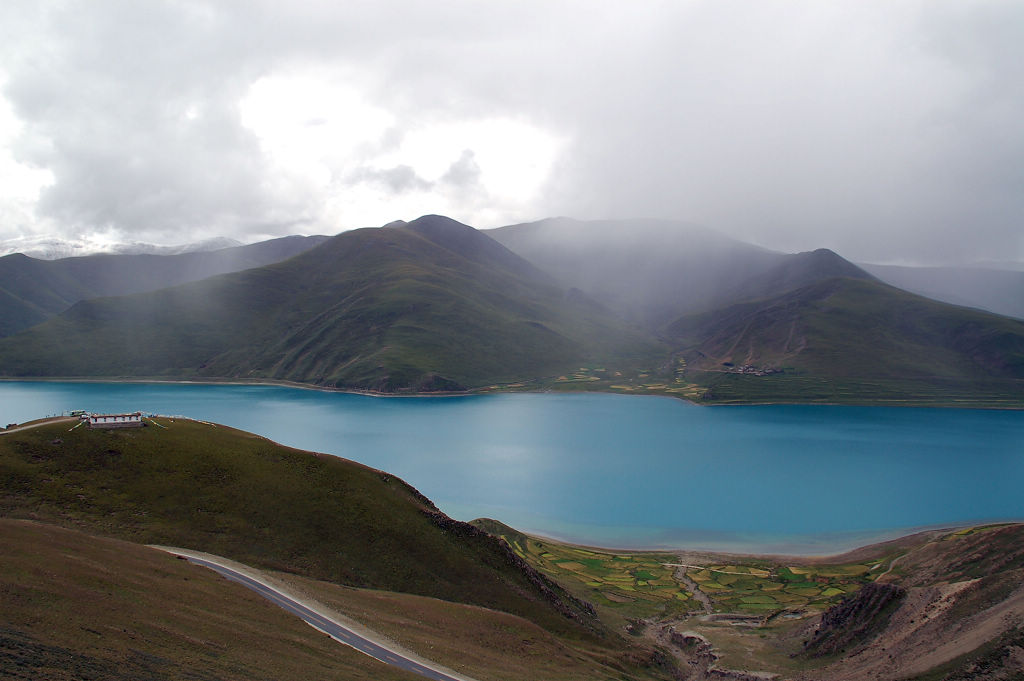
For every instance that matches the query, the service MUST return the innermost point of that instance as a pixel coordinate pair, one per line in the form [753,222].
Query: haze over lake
[628,470]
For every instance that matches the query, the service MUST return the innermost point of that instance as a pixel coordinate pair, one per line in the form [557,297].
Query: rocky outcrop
[856,620]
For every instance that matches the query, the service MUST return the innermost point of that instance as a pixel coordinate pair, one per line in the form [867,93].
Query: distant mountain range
[751,324]
[424,306]
[33,290]
[54,248]
[435,305]
[654,270]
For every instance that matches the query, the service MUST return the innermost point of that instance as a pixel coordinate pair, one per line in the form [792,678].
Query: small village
[751,370]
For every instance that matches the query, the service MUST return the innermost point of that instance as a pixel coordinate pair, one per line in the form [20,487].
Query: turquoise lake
[628,471]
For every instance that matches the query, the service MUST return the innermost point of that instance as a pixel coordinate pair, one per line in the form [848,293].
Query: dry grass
[78,606]
[482,643]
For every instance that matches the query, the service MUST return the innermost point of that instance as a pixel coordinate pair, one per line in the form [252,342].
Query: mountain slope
[222,491]
[648,271]
[32,290]
[78,606]
[431,305]
[856,338]
[793,272]
[999,291]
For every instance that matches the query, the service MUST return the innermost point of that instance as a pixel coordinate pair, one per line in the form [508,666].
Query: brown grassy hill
[229,493]
[74,605]
[77,606]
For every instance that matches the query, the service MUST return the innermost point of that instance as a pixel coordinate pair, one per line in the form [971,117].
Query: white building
[116,420]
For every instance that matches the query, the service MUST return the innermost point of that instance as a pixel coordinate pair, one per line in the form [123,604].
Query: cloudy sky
[890,131]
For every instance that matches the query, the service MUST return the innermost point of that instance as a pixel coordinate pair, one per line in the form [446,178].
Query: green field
[646,584]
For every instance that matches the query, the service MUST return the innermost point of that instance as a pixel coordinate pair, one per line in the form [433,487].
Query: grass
[74,605]
[230,493]
[634,585]
[803,387]
[762,593]
[475,641]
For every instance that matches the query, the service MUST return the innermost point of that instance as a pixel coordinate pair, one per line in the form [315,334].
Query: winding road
[336,630]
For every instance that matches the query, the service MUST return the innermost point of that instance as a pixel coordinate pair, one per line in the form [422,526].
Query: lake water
[629,471]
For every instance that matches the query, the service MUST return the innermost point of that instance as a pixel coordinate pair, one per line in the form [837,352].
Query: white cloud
[879,128]
[361,162]
[20,183]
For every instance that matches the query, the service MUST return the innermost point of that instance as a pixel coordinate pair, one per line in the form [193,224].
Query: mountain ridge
[33,290]
[432,305]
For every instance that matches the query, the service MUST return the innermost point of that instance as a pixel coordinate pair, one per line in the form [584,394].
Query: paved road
[333,629]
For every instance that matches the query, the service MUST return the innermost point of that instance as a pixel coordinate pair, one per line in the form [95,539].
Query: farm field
[659,585]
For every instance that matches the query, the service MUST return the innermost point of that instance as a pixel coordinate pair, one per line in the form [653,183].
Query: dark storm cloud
[889,131]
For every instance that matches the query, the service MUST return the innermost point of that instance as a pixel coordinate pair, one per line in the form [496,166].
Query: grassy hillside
[74,605]
[77,606]
[432,305]
[33,290]
[229,493]
[485,644]
[93,607]
[848,339]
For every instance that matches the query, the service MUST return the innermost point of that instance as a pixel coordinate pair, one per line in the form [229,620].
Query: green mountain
[33,290]
[853,339]
[428,305]
[435,305]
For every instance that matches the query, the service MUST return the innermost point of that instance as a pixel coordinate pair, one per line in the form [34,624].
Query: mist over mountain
[855,329]
[33,290]
[429,305]
[793,272]
[756,324]
[989,288]
[435,305]
[648,271]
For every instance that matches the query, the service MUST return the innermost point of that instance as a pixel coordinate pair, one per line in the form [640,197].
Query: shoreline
[883,541]
[721,543]
[481,392]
